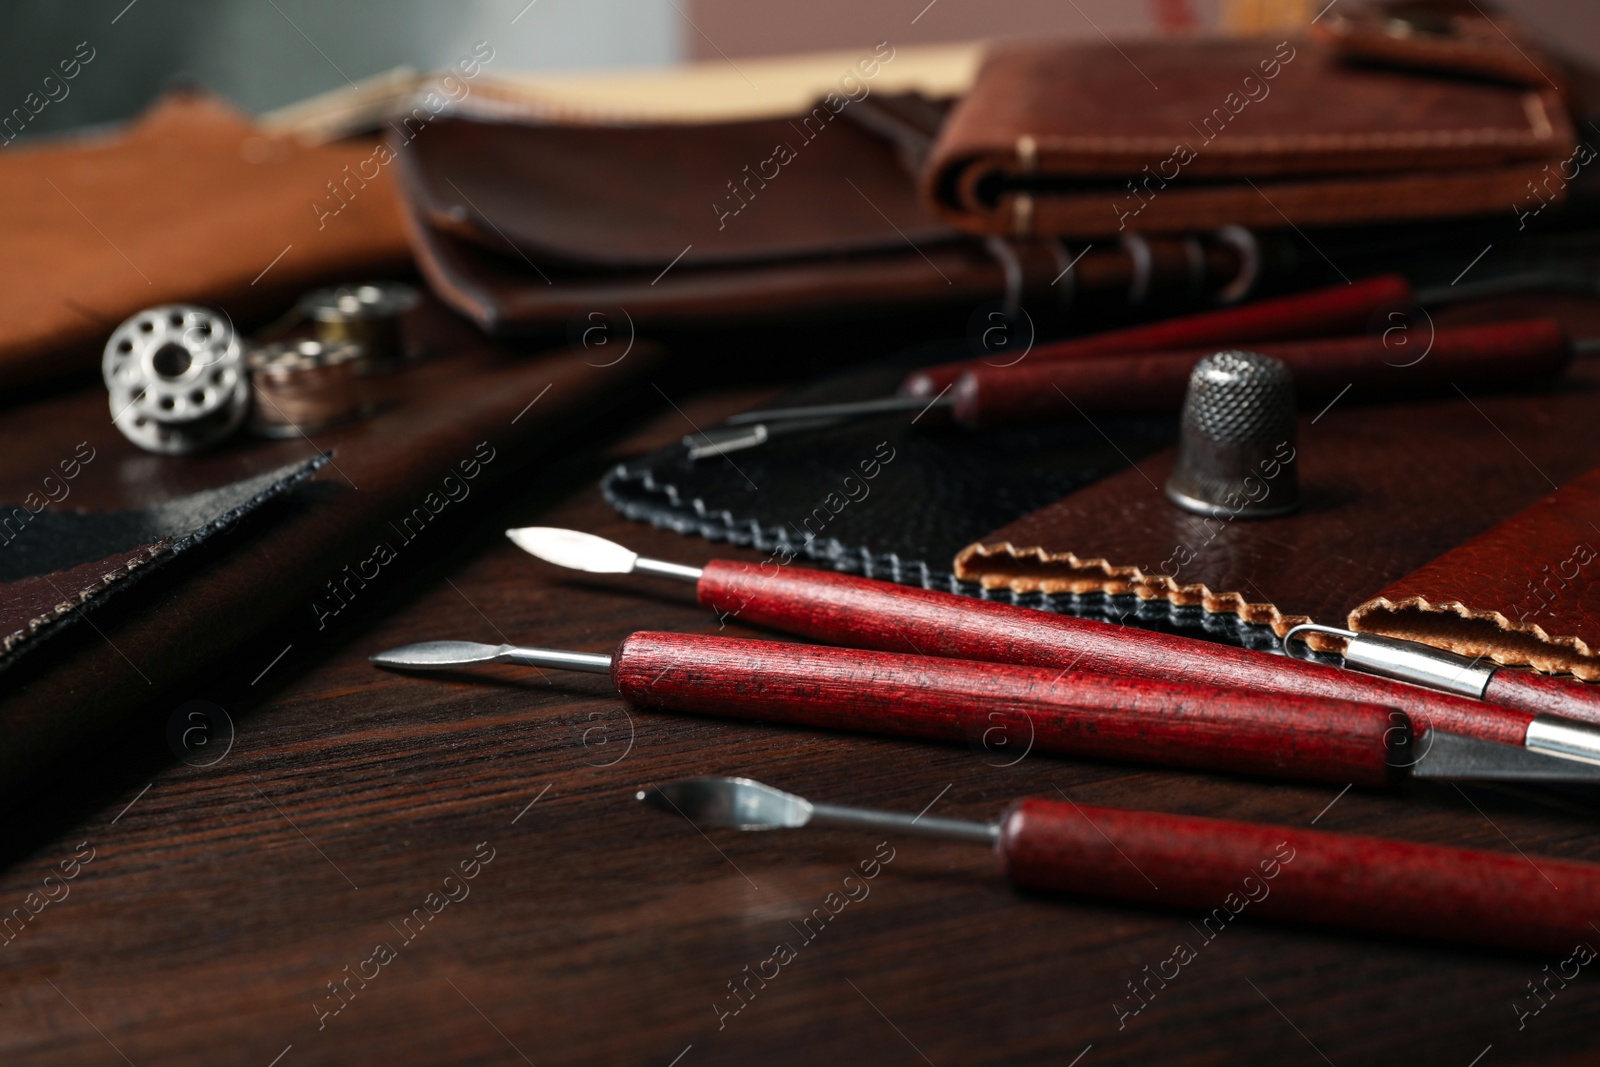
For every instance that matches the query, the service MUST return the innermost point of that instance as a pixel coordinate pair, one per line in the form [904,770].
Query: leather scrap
[61,565]
[1525,593]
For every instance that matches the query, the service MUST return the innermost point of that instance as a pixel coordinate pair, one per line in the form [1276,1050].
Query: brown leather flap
[1454,36]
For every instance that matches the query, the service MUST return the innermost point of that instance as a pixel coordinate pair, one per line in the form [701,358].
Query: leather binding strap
[1525,593]
[1454,37]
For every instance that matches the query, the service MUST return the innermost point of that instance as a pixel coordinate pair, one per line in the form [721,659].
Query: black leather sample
[59,565]
[935,489]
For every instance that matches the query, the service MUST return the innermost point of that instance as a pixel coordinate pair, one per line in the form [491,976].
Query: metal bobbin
[366,314]
[305,386]
[176,378]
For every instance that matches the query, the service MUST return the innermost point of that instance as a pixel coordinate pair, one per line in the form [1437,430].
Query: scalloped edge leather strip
[1100,575]
[1450,624]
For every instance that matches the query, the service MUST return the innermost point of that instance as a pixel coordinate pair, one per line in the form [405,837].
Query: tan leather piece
[1088,140]
[1386,488]
[188,203]
[1525,593]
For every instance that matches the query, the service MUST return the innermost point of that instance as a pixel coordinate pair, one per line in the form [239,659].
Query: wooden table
[229,892]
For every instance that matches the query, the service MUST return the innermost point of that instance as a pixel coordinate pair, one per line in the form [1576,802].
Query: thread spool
[176,378]
[366,314]
[305,386]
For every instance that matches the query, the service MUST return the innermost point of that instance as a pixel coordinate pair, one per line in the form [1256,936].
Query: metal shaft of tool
[1404,661]
[662,569]
[720,440]
[888,405]
[958,829]
[555,659]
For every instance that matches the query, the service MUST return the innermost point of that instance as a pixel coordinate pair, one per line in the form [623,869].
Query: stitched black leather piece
[62,564]
[943,488]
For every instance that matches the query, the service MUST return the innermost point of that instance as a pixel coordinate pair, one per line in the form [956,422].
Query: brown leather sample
[187,204]
[1524,593]
[522,227]
[1088,140]
[1385,489]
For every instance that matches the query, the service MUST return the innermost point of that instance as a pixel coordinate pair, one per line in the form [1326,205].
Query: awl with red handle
[1070,712]
[1495,356]
[859,612]
[1219,867]
[1330,312]
[1475,358]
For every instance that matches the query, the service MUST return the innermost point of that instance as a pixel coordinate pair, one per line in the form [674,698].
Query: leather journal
[1094,139]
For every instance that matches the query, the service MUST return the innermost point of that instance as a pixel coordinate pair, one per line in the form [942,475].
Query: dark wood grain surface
[228,887]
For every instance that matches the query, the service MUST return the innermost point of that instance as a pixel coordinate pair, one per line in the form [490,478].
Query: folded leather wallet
[528,227]
[1386,488]
[1523,593]
[1091,139]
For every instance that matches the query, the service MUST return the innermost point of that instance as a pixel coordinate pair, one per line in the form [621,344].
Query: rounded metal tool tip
[741,803]
[1236,449]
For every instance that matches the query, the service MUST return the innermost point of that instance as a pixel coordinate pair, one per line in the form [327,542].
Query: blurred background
[263,54]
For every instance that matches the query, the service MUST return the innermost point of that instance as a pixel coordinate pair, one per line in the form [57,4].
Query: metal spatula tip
[437,654]
[573,549]
[740,803]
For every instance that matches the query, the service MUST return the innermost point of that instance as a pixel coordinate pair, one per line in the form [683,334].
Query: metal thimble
[1236,449]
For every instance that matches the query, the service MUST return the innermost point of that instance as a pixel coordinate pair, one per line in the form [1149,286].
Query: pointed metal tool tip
[573,549]
[740,803]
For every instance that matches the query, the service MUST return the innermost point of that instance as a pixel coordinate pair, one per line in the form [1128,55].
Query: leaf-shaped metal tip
[573,549]
[431,655]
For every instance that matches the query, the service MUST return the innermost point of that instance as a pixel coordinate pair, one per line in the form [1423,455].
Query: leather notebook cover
[523,226]
[189,204]
[1386,488]
[1089,139]
[1526,592]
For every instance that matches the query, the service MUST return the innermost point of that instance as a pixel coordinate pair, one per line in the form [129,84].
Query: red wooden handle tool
[1338,309]
[1023,708]
[1537,693]
[1497,356]
[1229,868]
[863,613]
